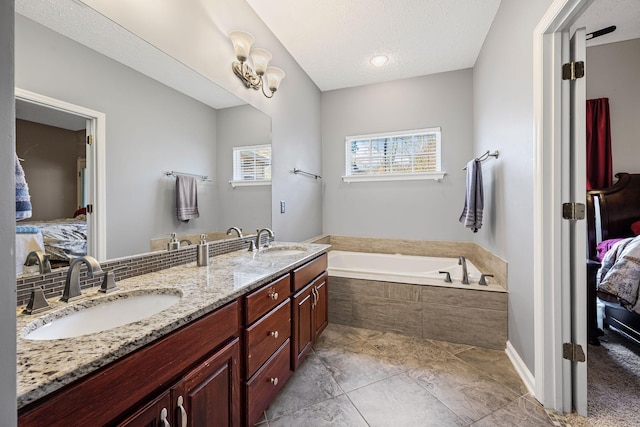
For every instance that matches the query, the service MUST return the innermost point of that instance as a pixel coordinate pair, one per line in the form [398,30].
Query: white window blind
[252,165]
[413,154]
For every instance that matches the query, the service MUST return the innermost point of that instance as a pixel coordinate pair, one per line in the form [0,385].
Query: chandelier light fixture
[261,74]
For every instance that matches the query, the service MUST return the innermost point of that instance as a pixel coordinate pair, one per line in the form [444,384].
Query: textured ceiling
[624,14]
[333,40]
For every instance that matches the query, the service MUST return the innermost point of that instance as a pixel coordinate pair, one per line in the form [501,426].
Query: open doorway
[61,149]
[561,378]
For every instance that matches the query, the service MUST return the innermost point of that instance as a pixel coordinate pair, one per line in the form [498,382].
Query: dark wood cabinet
[310,317]
[113,393]
[321,307]
[303,332]
[209,395]
[267,346]
[223,369]
[156,413]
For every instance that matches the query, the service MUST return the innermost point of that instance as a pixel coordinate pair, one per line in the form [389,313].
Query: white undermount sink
[283,251]
[103,314]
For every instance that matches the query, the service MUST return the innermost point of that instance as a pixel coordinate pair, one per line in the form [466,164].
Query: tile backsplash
[53,283]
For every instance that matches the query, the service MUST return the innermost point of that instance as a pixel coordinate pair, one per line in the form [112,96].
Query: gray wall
[427,210]
[294,110]
[240,126]
[503,120]
[8,415]
[150,129]
[612,72]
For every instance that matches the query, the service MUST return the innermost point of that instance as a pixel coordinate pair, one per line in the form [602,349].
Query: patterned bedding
[65,238]
[620,273]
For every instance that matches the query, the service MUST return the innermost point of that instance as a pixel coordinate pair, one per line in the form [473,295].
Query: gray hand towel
[186,197]
[474,198]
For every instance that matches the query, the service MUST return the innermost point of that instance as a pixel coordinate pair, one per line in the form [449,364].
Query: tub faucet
[72,284]
[270,237]
[40,258]
[236,229]
[465,276]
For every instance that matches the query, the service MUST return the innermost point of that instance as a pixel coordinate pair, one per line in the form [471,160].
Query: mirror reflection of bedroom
[51,151]
[613,222]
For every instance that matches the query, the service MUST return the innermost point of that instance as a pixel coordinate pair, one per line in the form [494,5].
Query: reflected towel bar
[201,177]
[296,170]
[485,156]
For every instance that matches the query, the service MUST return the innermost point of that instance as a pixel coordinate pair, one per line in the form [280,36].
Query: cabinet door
[209,395]
[153,414]
[321,308]
[303,331]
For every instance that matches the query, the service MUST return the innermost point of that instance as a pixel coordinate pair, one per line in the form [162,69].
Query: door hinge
[89,209]
[573,211]
[89,139]
[573,352]
[573,70]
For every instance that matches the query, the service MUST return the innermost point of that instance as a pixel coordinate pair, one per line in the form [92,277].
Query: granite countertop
[45,366]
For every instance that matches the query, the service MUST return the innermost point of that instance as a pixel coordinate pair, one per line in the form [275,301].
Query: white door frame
[96,167]
[551,319]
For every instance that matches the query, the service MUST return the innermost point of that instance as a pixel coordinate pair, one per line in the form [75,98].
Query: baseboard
[525,374]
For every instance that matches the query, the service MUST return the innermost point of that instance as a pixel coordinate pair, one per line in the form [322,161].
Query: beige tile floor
[359,377]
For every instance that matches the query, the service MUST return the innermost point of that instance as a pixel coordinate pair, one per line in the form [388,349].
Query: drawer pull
[273,295]
[274,381]
[183,413]
[163,418]
[274,334]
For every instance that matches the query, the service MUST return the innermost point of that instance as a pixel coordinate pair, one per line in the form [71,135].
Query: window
[413,154]
[251,165]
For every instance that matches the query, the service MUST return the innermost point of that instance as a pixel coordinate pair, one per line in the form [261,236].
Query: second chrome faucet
[72,284]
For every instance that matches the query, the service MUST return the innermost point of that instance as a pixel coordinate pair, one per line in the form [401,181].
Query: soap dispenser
[173,243]
[203,252]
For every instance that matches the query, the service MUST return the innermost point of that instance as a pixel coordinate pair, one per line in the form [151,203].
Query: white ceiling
[333,40]
[624,14]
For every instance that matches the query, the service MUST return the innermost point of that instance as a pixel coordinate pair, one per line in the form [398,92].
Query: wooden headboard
[619,208]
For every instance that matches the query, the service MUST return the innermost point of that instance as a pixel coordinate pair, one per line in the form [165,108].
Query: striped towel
[27,229]
[23,200]
[474,198]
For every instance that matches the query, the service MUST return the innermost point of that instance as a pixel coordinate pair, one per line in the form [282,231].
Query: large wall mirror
[159,116]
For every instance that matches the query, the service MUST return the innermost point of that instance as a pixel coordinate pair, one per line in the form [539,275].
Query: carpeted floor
[613,394]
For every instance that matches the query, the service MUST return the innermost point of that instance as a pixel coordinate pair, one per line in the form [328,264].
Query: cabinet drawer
[266,383]
[264,299]
[266,335]
[306,273]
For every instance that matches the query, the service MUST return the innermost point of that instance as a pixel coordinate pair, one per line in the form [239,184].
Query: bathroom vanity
[218,357]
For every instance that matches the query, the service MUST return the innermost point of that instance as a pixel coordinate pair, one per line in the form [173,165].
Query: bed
[63,239]
[611,214]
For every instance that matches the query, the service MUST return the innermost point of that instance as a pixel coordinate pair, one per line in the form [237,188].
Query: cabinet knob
[274,334]
[273,295]
[183,413]
[163,418]
[274,381]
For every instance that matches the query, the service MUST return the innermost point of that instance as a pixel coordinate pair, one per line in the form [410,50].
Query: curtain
[599,168]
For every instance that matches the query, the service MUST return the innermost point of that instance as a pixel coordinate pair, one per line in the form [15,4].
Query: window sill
[437,176]
[235,184]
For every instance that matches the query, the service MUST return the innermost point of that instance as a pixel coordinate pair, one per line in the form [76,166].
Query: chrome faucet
[236,229]
[40,258]
[465,276]
[270,237]
[72,284]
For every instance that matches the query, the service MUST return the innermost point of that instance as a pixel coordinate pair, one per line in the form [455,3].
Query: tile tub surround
[45,366]
[462,316]
[485,261]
